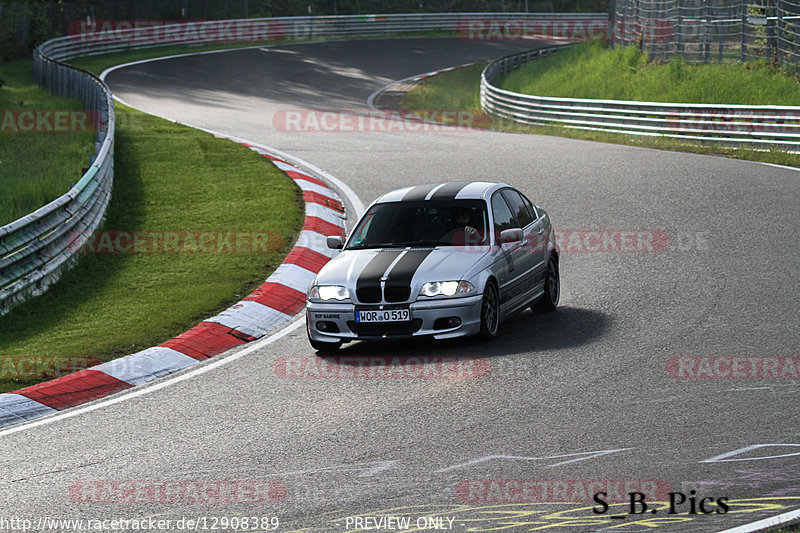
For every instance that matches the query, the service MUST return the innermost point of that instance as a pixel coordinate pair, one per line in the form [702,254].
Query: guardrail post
[612,21]
[771,39]
[679,30]
[743,32]
[706,39]
[781,30]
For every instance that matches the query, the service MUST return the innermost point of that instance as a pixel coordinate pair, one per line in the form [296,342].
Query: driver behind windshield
[461,229]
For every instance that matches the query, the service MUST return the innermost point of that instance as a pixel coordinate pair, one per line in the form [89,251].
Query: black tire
[552,289]
[324,348]
[490,312]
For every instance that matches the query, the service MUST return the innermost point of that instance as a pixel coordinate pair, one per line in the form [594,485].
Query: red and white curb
[420,77]
[416,78]
[271,305]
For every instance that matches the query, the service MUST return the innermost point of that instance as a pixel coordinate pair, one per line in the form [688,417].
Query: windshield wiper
[367,246]
[421,243]
[406,244]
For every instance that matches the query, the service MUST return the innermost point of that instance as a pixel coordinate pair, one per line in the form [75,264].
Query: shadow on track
[329,75]
[526,332]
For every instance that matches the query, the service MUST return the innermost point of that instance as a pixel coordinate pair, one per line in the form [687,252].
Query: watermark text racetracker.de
[564,30]
[533,490]
[170,31]
[380,367]
[178,242]
[177,492]
[630,241]
[43,366]
[376,121]
[602,241]
[734,367]
[48,121]
[744,121]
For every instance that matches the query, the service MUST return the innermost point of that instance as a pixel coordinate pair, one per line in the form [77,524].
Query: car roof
[448,190]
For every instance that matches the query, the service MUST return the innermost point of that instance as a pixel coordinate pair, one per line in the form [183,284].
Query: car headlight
[446,288]
[329,292]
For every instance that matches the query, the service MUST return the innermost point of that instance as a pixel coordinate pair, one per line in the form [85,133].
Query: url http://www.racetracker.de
[194,523]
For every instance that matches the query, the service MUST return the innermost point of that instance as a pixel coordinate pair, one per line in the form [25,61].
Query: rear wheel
[490,312]
[552,288]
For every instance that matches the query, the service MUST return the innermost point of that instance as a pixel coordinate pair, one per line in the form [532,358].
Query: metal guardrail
[760,126]
[35,249]
[314,28]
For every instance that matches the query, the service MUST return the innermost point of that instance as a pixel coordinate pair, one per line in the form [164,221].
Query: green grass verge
[35,167]
[590,70]
[167,178]
[459,90]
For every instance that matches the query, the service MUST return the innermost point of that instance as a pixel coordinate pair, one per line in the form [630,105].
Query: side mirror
[335,243]
[510,235]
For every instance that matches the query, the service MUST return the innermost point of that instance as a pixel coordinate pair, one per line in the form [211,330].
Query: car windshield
[423,223]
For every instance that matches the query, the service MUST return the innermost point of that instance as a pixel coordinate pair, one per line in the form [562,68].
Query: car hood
[399,267]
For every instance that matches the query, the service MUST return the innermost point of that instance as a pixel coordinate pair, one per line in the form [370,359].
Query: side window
[363,231]
[531,207]
[503,217]
[518,207]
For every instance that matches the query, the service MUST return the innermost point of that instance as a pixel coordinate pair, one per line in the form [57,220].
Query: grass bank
[36,165]
[460,89]
[590,70]
[169,179]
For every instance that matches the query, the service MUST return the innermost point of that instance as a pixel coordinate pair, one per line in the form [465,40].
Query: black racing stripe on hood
[403,271]
[449,191]
[418,192]
[376,268]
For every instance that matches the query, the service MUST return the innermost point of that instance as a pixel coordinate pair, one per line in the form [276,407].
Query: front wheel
[552,288]
[324,348]
[490,312]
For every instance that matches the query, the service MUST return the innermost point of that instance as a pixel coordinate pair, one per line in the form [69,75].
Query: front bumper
[324,319]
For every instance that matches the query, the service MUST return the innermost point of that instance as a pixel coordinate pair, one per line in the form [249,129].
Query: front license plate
[386,315]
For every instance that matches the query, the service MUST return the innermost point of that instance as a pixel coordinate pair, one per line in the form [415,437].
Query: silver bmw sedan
[441,260]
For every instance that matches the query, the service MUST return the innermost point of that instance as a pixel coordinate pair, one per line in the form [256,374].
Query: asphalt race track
[581,395]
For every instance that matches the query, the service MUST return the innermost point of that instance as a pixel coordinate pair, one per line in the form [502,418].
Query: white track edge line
[358,206]
[141,391]
[767,522]
[353,199]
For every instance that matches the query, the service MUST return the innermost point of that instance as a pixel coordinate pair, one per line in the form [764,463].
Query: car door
[531,261]
[514,254]
[542,230]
